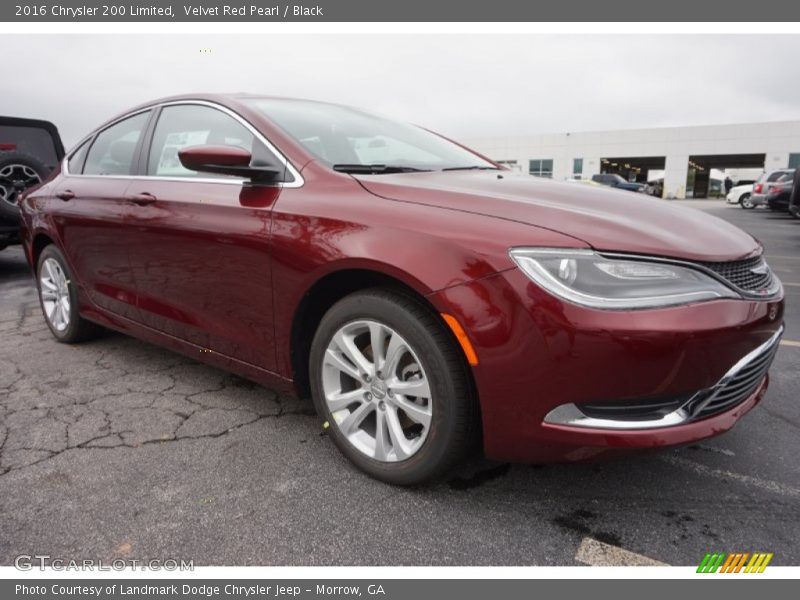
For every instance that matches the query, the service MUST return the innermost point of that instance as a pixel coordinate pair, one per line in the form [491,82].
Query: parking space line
[748,480]
[790,343]
[790,284]
[599,554]
[783,257]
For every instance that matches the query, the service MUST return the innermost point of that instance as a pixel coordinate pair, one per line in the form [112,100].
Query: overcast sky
[461,85]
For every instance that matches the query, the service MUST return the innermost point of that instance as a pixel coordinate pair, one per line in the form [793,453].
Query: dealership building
[687,162]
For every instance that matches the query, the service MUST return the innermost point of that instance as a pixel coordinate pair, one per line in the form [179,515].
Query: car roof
[222,98]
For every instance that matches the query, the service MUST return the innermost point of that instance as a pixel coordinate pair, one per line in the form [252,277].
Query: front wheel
[387,377]
[745,202]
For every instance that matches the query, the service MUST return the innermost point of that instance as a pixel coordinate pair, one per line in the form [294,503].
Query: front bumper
[737,385]
[537,353]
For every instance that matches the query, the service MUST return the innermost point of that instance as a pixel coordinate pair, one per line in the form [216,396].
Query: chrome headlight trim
[530,261]
[775,290]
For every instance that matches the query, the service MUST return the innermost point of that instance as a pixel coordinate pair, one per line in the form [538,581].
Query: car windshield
[353,141]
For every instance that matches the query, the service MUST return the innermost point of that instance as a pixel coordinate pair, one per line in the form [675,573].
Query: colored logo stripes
[735,562]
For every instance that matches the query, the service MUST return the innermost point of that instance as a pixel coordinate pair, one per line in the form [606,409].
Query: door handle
[142,199]
[65,195]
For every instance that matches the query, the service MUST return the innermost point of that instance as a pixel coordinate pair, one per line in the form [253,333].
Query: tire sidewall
[744,201]
[429,459]
[71,332]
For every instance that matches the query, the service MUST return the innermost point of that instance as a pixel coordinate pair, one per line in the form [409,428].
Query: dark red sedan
[425,297]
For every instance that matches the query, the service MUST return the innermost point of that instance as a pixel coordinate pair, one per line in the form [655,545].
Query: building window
[577,167]
[794,160]
[541,167]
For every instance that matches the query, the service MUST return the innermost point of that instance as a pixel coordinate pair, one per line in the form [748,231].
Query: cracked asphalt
[118,449]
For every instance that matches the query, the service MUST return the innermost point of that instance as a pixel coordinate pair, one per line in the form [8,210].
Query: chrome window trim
[298,179]
[91,137]
[571,416]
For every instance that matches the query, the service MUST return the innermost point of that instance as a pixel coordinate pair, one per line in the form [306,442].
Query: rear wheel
[745,202]
[395,391]
[58,297]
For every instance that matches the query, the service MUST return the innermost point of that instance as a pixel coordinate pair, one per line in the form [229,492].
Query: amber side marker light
[461,336]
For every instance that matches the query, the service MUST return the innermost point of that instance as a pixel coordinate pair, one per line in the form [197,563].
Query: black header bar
[464,11]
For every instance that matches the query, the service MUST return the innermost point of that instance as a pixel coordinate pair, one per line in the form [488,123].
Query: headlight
[590,279]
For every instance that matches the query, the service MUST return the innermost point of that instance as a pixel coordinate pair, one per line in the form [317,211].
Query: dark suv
[29,151]
[617,181]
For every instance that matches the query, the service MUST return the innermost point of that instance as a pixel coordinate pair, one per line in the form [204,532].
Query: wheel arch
[332,287]
[40,242]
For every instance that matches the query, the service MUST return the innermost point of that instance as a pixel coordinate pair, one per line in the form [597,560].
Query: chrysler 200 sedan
[426,298]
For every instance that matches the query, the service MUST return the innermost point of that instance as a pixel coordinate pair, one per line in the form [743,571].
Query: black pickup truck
[29,151]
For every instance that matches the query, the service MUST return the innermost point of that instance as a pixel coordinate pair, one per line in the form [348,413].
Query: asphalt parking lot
[116,448]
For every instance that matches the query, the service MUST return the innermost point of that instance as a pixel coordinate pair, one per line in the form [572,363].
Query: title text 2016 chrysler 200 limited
[425,297]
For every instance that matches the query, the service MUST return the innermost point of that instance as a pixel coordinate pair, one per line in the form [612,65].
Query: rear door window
[75,164]
[114,149]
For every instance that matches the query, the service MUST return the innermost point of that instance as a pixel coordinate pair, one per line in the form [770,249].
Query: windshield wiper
[375,169]
[471,168]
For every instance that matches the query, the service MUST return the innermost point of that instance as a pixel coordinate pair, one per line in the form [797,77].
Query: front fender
[427,248]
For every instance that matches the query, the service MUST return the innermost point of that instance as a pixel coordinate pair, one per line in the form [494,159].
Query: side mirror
[227,160]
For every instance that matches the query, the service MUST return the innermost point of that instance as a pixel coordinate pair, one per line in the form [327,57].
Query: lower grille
[737,385]
[634,410]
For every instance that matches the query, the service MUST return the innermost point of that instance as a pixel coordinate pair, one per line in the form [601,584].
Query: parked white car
[740,194]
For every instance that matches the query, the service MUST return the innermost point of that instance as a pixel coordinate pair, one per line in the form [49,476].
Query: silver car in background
[763,184]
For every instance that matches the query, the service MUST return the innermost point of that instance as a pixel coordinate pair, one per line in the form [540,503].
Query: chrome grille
[737,385]
[751,274]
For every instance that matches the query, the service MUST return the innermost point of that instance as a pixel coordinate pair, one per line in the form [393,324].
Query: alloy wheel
[377,391]
[54,287]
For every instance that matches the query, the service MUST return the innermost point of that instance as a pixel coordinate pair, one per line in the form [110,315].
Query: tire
[431,363]
[745,203]
[58,292]
[18,170]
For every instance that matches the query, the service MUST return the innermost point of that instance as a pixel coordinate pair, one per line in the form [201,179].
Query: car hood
[604,218]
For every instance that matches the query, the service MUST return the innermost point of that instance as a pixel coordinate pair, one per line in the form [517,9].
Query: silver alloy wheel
[54,288]
[12,174]
[745,201]
[377,391]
